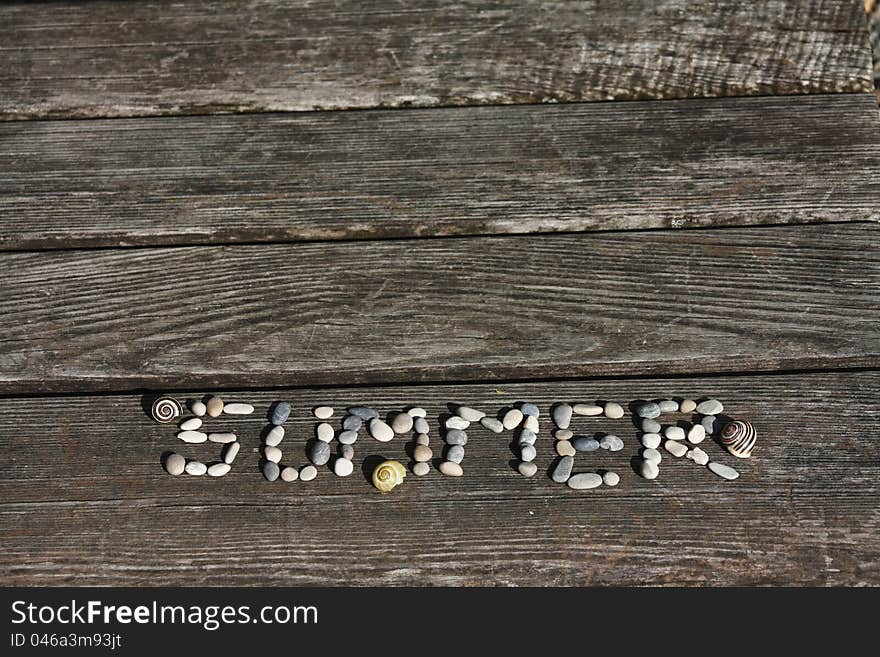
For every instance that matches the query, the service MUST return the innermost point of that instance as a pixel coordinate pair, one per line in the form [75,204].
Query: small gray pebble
[380,430]
[347,437]
[271,471]
[230,452]
[648,410]
[650,426]
[708,423]
[562,471]
[493,425]
[175,464]
[584,444]
[455,453]
[649,470]
[363,412]
[674,433]
[652,455]
[275,436]
[527,468]
[710,407]
[724,471]
[289,474]
[469,414]
[420,425]
[319,453]
[527,436]
[343,467]
[421,469]
[562,415]
[530,409]
[352,423]
[668,406]
[584,481]
[528,452]
[611,478]
[308,472]
[280,413]
[687,406]
[402,423]
[456,437]
[423,439]
[346,452]
[611,443]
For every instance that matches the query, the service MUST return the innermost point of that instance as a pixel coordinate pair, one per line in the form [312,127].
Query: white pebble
[696,434]
[325,432]
[469,414]
[219,469]
[275,436]
[651,440]
[193,436]
[512,419]
[191,424]
[587,409]
[418,412]
[698,456]
[342,467]
[230,452]
[611,478]
[237,408]
[308,473]
[222,438]
[649,470]
[531,423]
[272,454]
[380,431]
[613,411]
[456,422]
[323,413]
[198,408]
[675,448]
[196,468]
[724,471]
[652,455]
[289,474]
[674,433]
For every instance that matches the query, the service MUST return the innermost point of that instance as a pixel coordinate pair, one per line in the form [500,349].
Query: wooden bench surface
[541,201]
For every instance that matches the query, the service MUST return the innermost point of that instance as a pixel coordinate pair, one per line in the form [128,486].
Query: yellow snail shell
[165,409]
[387,475]
[739,438]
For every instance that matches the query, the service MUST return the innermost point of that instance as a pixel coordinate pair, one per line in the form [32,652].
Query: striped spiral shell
[387,475]
[165,409]
[739,438]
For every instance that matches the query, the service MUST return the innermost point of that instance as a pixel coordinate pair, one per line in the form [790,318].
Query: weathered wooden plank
[85,501]
[148,58]
[438,172]
[440,309]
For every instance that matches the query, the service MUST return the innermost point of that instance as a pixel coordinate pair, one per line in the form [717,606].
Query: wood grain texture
[149,58]
[438,172]
[440,309]
[85,500]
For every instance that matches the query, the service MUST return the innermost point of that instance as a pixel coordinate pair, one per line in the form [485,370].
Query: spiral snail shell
[739,438]
[165,409]
[387,475]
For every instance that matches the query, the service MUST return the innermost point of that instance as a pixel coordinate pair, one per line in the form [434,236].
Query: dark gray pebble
[347,437]
[363,412]
[271,470]
[352,423]
[319,453]
[530,409]
[456,437]
[455,453]
[709,423]
[280,413]
[562,471]
[562,415]
[346,452]
[584,444]
[527,436]
[648,410]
